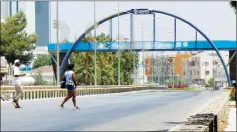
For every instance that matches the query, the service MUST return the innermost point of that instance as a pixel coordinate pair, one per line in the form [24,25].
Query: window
[206,63]
[207,72]
[192,63]
[147,69]
[198,63]
[197,72]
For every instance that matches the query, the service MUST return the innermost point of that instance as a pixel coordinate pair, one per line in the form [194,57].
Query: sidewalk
[231,120]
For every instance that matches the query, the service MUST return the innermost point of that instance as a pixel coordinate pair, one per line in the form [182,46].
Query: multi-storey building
[203,66]
[178,67]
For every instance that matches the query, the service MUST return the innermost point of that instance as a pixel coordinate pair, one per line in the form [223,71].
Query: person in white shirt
[17,83]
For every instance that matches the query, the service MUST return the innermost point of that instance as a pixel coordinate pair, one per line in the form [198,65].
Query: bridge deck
[135,111]
[148,46]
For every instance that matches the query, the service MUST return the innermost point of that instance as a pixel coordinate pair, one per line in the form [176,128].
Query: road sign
[141,11]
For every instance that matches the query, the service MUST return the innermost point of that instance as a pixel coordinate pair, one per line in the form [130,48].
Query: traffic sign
[141,11]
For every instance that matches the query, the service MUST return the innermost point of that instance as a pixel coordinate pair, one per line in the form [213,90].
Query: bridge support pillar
[61,56]
[232,66]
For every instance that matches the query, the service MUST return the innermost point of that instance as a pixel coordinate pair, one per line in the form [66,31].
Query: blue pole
[10,8]
[17,6]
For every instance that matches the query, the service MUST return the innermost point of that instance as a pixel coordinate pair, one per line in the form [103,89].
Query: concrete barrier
[40,92]
[208,119]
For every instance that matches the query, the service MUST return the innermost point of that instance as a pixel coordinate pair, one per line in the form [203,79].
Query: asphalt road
[140,110]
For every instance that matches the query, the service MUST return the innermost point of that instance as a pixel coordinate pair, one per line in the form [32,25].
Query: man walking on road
[17,83]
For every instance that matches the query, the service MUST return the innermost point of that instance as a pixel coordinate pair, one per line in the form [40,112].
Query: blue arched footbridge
[207,44]
[146,45]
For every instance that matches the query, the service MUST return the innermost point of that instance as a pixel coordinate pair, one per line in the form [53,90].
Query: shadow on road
[165,130]
[174,123]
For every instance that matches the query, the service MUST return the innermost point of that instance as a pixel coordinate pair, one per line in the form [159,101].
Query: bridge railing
[42,92]
[148,45]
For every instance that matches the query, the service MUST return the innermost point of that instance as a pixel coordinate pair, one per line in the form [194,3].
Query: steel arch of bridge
[68,54]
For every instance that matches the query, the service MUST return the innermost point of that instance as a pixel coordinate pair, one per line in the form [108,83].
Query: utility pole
[143,57]
[95,75]
[118,49]
[57,34]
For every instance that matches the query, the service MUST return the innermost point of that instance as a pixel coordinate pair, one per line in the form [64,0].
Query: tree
[84,62]
[39,78]
[233,5]
[211,82]
[42,60]
[14,39]
[107,63]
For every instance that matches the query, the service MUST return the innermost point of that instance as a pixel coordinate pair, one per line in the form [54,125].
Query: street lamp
[118,53]
[57,34]
[65,33]
[95,75]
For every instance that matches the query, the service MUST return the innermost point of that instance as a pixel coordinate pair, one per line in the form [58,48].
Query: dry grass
[224,122]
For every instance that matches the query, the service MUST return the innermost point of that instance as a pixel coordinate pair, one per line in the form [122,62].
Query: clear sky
[216,19]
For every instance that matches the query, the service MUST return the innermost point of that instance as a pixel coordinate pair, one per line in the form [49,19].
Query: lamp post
[173,60]
[65,34]
[118,49]
[143,57]
[118,52]
[95,75]
[57,34]
[134,55]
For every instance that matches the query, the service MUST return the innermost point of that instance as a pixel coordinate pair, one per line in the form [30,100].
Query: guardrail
[40,92]
[209,118]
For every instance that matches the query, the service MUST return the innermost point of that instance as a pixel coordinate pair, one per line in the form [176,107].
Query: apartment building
[178,66]
[186,75]
[203,66]
[220,79]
